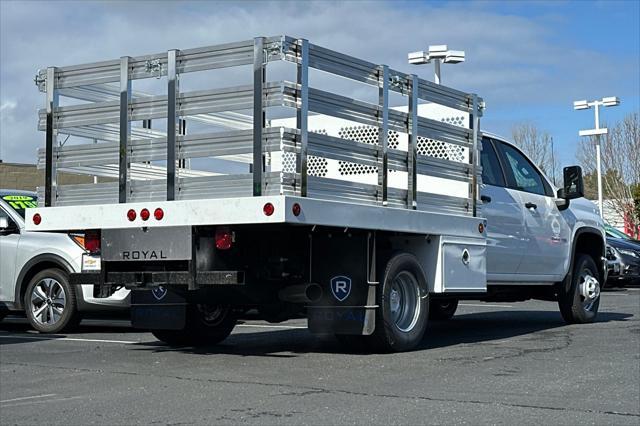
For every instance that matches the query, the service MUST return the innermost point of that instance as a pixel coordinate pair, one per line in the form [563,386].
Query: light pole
[437,54]
[607,102]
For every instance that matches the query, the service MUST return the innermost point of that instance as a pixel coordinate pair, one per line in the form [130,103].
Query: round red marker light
[37,218]
[131,215]
[144,214]
[158,213]
[296,209]
[481,228]
[268,209]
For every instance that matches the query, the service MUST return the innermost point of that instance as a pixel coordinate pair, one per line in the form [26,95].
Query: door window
[491,169]
[9,220]
[525,176]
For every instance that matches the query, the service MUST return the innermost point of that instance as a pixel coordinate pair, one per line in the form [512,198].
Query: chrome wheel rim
[404,301]
[48,300]
[589,290]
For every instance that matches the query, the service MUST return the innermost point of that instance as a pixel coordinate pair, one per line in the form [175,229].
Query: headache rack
[280,137]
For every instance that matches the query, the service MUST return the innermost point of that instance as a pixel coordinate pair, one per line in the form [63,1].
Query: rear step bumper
[132,280]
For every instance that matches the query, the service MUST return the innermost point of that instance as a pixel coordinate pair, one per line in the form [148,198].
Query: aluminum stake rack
[114,120]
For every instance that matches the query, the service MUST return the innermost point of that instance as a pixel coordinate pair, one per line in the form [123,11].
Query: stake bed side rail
[334,147]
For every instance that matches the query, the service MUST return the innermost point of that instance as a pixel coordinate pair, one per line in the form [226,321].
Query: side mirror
[573,186]
[4,223]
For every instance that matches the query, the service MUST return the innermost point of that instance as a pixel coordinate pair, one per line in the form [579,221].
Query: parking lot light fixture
[597,131]
[437,54]
[581,105]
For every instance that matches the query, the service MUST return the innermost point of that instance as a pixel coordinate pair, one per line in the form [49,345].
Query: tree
[591,184]
[620,154]
[538,146]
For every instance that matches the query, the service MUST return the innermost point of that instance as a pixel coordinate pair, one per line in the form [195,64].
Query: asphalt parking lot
[493,363]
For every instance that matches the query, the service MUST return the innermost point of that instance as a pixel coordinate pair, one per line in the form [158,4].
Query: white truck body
[341,179]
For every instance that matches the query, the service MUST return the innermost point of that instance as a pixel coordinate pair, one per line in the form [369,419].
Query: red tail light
[37,219]
[224,238]
[131,215]
[158,213]
[296,209]
[92,241]
[268,209]
[144,214]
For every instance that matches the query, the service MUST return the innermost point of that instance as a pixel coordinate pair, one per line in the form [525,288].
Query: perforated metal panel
[439,149]
[316,166]
[368,134]
[346,168]
[458,120]
[288,162]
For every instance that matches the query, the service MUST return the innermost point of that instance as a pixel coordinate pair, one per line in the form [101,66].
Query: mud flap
[344,266]
[158,308]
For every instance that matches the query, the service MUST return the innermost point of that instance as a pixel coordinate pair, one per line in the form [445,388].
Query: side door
[503,210]
[547,233]
[9,239]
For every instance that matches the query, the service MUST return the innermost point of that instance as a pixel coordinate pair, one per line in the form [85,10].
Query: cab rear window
[20,202]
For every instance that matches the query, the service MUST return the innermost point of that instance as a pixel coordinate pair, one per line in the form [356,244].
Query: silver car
[35,268]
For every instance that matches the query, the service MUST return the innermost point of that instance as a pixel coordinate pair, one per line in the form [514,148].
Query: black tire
[403,331]
[51,314]
[201,328]
[442,309]
[574,306]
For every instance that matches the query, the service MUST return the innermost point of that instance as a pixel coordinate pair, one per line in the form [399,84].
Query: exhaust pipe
[301,293]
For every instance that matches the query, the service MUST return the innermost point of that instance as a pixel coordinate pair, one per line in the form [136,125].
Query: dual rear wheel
[204,325]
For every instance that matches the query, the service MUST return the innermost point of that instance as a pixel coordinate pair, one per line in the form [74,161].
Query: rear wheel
[204,325]
[401,318]
[442,309]
[579,303]
[50,302]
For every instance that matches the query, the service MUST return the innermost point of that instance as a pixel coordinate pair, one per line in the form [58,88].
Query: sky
[529,60]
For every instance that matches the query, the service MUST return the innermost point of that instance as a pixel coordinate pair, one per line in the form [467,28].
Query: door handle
[485,198]
[531,205]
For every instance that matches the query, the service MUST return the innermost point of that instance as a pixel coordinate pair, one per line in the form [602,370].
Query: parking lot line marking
[28,397]
[486,305]
[41,401]
[72,339]
[271,326]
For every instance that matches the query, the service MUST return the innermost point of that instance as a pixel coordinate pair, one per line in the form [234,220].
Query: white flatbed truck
[293,200]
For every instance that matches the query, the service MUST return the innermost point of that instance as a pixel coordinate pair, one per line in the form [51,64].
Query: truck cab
[530,229]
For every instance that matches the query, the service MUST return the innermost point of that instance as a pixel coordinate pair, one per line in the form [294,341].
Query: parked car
[627,251]
[35,268]
[613,266]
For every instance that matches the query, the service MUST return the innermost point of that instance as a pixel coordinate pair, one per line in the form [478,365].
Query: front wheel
[50,302]
[401,318]
[204,325]
[579,303]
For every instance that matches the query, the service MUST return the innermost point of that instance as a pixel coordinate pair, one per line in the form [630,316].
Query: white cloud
[512,62]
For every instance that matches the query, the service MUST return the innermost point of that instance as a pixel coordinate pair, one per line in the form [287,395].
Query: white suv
[35,268]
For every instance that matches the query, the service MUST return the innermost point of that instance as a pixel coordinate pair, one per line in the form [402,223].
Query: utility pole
[597,131]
